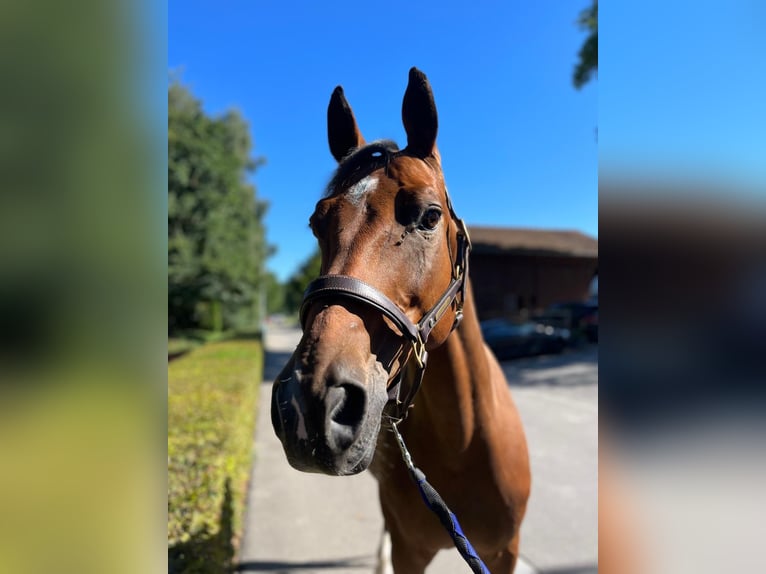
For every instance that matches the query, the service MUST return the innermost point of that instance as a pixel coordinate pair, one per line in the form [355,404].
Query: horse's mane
[360,163]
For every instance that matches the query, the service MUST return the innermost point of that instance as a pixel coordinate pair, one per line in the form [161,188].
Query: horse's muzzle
[333,430]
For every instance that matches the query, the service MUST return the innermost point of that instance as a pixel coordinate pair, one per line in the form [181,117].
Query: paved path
[558,400]
[300,523]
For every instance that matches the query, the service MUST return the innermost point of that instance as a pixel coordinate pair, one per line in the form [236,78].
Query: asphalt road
[300,523]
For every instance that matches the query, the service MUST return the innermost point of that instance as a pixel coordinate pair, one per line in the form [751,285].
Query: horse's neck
[458,374]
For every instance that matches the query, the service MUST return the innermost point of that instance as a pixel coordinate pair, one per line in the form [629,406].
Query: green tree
[275,294]
[587,58]
[296,285]
[216,242]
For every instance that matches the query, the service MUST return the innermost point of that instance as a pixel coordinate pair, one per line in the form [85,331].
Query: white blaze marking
[361,188]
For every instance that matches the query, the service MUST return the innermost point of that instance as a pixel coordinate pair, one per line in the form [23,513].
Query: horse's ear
[342,131]
[419,115]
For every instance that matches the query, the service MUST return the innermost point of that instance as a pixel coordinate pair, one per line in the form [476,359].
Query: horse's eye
[430,218]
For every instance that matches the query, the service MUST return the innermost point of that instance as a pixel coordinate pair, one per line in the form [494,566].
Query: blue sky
[518,142]
[682,90]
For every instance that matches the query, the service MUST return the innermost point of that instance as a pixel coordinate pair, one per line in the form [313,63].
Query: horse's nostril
[345,411]
[351,407]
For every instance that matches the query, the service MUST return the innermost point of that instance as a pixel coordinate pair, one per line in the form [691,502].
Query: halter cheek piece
[338,286]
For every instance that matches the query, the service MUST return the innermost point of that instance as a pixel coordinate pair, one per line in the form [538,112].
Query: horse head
[391,287]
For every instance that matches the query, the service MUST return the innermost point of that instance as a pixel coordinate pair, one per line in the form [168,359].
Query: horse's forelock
[361,162]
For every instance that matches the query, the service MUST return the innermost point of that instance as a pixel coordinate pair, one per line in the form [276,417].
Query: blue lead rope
[437,505]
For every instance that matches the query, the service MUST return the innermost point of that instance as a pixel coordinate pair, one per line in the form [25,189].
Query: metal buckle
[419,349]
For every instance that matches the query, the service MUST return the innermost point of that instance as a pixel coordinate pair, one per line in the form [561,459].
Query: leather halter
[339,286]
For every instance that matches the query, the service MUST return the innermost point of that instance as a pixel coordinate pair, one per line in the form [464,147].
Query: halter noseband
[416,334]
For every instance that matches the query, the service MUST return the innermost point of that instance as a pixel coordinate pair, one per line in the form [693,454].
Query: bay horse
[394,258]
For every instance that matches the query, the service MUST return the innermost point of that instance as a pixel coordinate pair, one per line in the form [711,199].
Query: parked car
[590,322]
[510,340]
[577,316]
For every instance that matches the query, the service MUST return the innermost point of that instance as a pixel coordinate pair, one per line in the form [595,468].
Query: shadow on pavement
[572,368]
[288,567]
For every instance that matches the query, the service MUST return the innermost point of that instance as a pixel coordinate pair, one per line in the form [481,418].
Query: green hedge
[212,394]
[180,346]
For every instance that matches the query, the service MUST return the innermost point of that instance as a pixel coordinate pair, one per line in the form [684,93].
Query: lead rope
[437,505]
